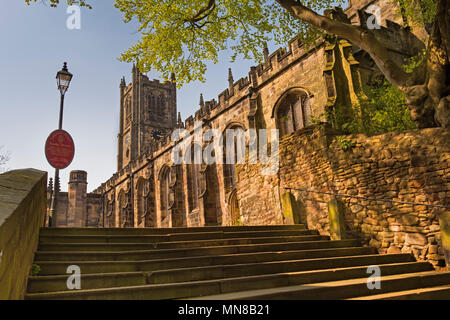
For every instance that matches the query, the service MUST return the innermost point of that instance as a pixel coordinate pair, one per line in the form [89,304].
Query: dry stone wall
[411,166]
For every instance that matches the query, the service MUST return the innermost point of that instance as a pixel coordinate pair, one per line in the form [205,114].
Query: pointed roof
[266,52]
[230,75]
[180,123]
[202,102]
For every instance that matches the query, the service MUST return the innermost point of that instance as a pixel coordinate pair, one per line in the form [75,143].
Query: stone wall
[330,74]
[247,103]
[62,207]
[94,213]
[23,201]
[148,190]
[77,208]
[389,12]
[411,166]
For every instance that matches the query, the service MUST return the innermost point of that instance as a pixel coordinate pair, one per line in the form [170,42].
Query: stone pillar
[290,211]
[76,213]
[336,218]
[444,222]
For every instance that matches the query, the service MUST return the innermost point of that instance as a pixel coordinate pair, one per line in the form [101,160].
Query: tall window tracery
[293,112]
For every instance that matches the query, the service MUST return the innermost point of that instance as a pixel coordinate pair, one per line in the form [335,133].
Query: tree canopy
[182,36]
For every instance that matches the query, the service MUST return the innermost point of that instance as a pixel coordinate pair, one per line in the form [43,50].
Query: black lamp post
[63,78]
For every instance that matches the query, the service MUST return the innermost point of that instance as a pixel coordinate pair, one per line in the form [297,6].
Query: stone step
[342,289]
[252,269]
[225,287]
[38,284]
[52,246]
[45,239]
[252,262]
[159,231]
[188,252]
[433,293]
[225,264]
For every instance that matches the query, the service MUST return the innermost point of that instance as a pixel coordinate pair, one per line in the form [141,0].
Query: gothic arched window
[151,106]
[231,154]
[141,202]
[165,193]
[126,218]
[145,203]
[293,111]
[111,210]
[128,109]
[193,158]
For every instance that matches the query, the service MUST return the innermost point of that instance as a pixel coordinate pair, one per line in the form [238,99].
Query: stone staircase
[249,262]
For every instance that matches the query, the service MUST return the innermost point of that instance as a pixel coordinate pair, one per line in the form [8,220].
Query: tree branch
[363,38]
[437,55]
[203,12]
[442,21]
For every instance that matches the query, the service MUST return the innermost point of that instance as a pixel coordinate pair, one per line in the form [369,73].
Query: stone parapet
[23,202]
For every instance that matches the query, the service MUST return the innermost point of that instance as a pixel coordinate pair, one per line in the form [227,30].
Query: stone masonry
[293,86]
[411,166]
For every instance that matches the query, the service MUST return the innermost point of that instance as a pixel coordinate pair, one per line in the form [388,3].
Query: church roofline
[258,76]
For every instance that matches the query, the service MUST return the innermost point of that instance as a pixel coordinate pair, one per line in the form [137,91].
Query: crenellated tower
[148,111]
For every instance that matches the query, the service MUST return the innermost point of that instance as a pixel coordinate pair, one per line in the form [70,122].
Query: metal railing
[369,198]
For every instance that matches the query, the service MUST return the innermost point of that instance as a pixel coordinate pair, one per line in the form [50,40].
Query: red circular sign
[59,149]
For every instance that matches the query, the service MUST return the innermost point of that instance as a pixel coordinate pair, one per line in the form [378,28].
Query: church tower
[148,111]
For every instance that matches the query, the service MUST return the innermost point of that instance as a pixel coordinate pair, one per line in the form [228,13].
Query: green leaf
[183,36]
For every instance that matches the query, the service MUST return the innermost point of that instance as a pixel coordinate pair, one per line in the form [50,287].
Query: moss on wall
[290,211]
[336,219]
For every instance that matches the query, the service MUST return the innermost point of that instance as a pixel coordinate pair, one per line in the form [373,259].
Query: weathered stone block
[290,211]
[336,217]
[415,239]
[393,249]
[375,243]
[409,220]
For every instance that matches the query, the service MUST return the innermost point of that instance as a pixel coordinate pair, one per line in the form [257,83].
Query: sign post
[59,148]
[59,151]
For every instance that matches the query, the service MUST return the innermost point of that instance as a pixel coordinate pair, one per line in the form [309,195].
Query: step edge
[356,241]
[258,293]
[228,254]
[403,292]
[220,281]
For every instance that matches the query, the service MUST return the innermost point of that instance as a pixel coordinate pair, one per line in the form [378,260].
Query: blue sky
[35,43]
